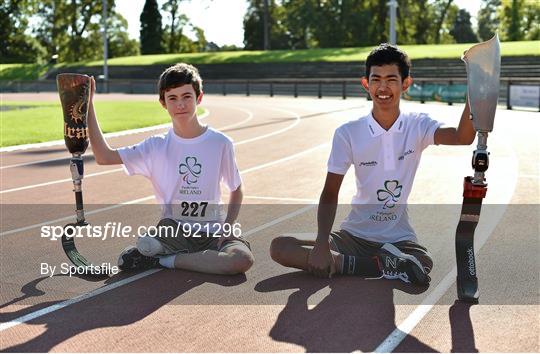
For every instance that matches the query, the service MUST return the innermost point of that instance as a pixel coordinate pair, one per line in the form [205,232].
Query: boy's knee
[239,262]
[278,247]
[149,246]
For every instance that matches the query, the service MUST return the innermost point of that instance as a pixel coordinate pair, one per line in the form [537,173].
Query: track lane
[274,314]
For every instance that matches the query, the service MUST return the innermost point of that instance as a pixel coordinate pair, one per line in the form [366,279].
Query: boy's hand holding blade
[75,91]
[483,62]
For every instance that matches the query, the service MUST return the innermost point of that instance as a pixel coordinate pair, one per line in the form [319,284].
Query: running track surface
[282,145]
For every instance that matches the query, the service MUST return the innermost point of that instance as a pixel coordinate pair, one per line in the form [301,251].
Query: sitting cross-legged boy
[185,166]
[376,239]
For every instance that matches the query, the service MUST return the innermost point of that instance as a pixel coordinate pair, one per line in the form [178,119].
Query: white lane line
[59,181]
[304,200]
[107,135]
[249,170]
[297,120]
[33,315]
[72,217]
[37,162]
[61,305]
[134,131]
[485,228]
[250,117]
[291,157]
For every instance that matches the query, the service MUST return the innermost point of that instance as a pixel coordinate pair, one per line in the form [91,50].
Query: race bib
[195,211]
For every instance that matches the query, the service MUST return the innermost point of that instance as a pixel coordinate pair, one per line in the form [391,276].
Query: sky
[222,20]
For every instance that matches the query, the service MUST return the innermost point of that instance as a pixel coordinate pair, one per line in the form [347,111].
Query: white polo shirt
[385,164]
[186,173]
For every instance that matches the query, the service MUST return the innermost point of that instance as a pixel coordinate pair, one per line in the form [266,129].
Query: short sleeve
[341,155]
[427,128]
[137,158]
[229,170]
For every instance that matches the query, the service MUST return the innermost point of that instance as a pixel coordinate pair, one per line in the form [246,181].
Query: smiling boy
[185,167]
[376,239]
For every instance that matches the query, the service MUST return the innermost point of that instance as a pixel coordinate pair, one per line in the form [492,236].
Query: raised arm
[103,153]
[463,135]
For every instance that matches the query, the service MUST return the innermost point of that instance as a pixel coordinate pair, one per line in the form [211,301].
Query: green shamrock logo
[190,170]
[390,194]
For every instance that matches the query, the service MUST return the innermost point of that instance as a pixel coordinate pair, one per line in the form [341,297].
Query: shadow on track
[31,291]
[288,119]
[119,307]
[357,314]
[462,328]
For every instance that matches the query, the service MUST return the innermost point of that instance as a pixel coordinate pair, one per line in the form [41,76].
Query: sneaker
[395,264]
[132,259]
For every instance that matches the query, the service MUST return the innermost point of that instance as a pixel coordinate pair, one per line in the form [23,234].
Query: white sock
[167,261]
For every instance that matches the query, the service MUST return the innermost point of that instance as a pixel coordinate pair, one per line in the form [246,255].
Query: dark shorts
[350,245]
[177,242]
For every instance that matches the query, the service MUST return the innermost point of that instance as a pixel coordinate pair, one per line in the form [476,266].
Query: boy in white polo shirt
[376,239]
[185,167]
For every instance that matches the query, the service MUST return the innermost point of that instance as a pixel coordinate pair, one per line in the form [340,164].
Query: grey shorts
[177,242]
[345,243]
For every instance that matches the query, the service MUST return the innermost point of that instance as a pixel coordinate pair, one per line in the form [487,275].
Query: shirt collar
[375,129]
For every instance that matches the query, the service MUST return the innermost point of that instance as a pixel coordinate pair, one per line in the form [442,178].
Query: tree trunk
[440,21]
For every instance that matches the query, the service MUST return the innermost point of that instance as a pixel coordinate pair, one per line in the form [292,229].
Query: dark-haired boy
[185,166]
[376,239]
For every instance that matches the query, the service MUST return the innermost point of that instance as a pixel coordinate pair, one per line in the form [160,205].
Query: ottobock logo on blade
[472,267]
[190,170]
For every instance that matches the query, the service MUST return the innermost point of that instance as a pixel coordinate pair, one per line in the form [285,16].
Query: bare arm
[102,151]
[463,135]
[320,260]
[235,202]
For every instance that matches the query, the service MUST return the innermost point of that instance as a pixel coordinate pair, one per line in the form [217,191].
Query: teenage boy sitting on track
[185,166]
[376,239]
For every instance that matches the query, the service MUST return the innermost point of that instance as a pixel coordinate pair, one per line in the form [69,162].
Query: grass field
[316,55]
[22,71]
[26,122]
[33,71]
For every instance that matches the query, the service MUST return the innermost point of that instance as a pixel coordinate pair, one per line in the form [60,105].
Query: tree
[488,20]
[201,43]
[512,17]
[519,20]
[423,23]
[172,39]
[442,8]
[378,26]
[254,26]
[531,21]
[341,23]
[300,21]
[15,45]
[151,29]
[462,30]
[174,29]
[119,43]
[52,33]
[83,22]
[72,29]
